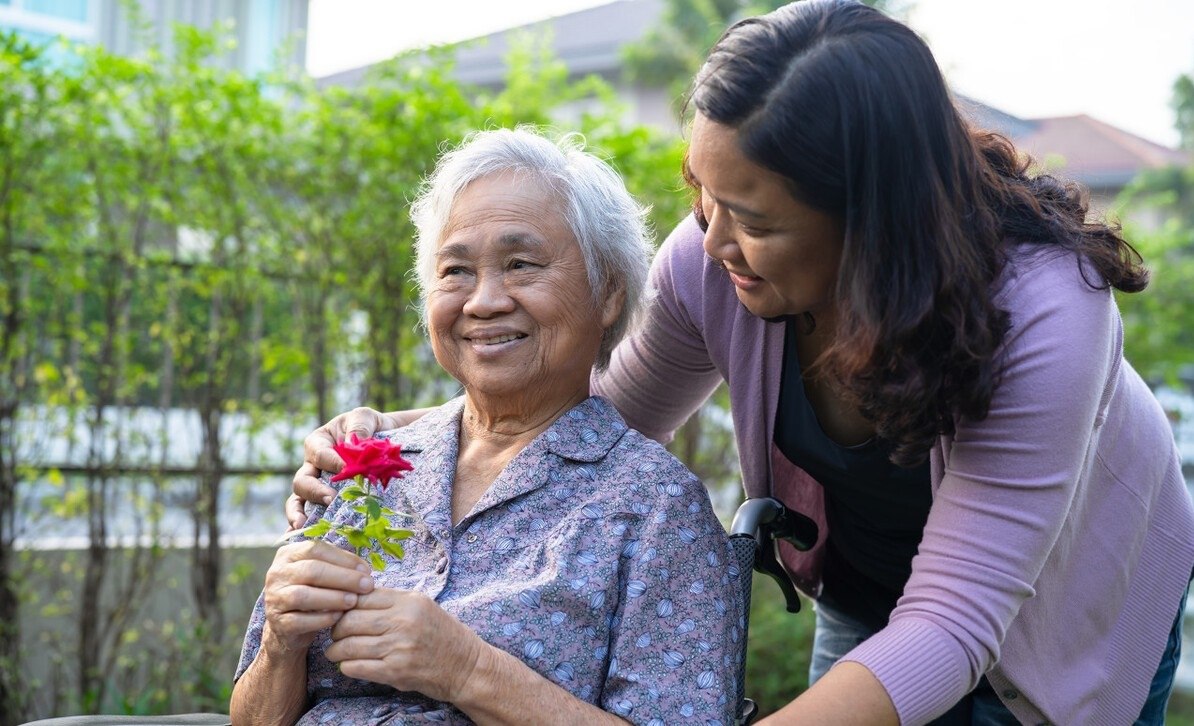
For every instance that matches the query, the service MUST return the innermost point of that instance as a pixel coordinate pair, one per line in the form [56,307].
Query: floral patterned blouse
[595,557]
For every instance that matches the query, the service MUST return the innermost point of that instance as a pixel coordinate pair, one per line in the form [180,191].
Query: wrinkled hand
[308,587]
[319,455]
[405,640]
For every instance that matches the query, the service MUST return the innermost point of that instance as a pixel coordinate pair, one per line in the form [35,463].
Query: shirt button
[441,565]
[1011,694]
[472,538]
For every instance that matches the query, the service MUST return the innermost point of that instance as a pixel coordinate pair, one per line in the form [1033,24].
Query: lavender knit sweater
[1061,535]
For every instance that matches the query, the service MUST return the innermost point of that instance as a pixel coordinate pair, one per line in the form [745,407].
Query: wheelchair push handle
[766,519]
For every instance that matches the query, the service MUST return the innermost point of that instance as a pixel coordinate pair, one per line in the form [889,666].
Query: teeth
[498,339]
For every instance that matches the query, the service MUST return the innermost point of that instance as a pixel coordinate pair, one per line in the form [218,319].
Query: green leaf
[318,529]
[398,534]
[378,562]
[374,512]
[394,549]
[376,529]
[353,492]
[355,537]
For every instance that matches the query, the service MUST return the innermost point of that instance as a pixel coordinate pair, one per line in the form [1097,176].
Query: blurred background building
[263,29]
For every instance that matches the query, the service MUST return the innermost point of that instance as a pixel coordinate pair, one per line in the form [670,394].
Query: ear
[612,307]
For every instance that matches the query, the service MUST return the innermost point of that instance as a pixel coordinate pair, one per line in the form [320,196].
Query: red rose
[377,460]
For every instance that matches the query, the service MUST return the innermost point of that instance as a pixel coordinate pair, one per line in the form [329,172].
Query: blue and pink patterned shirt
[595,557]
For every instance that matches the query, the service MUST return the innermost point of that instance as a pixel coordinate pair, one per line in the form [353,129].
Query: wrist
[472,682]
[279,650]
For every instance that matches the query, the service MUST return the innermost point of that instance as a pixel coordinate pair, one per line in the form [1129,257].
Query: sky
[1110,59]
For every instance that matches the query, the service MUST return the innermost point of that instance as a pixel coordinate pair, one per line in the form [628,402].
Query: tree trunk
[11,685]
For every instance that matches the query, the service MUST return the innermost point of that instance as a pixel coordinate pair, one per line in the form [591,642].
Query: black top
[875,510]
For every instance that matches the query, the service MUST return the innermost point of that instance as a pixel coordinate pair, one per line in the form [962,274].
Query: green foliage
[1159,322]
[1183,107]
[1158,328]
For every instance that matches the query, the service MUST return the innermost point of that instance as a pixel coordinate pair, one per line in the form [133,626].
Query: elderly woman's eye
[522,264]
[451,270]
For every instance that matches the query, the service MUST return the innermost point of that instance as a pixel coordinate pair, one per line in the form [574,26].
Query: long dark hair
[850,107]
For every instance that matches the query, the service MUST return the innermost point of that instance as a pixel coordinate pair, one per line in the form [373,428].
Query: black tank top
[875,510]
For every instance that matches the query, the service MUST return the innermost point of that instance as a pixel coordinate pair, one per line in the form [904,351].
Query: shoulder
[636,455]
[1042,276]
[1057,301]
[647,479]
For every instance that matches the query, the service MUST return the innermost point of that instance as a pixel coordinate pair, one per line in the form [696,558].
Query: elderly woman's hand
[405,640]
[307,588]
[319,455]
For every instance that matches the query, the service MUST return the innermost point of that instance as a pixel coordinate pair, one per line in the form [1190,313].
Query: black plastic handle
[766,519]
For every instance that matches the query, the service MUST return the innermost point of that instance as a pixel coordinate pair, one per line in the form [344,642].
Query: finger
[317,446]
[294,624]
[309,487]
[368,670]
[356,647]
[383,598]
[306,599]
[320,559]
[296,512]
[326,459]
[371,623]
[363,421]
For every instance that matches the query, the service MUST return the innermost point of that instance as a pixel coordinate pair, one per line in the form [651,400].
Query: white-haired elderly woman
[564,568]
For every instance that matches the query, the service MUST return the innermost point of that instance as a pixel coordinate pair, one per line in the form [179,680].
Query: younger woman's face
[781,254]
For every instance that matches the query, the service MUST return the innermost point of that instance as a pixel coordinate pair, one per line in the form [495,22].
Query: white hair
[607,222]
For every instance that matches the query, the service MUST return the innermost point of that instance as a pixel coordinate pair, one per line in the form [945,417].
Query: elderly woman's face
[510,310]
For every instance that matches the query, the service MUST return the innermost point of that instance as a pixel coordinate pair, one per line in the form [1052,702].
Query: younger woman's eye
[698,211]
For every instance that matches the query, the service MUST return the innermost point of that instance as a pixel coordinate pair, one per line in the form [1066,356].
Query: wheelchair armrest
[765,520]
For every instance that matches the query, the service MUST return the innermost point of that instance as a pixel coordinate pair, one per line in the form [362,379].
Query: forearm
[848,695]
[503,690]
[273,690]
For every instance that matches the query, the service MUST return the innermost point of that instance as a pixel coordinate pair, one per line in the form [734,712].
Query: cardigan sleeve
[662,373]
[1007,483]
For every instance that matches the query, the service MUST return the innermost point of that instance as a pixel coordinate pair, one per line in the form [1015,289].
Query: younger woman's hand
[320,456]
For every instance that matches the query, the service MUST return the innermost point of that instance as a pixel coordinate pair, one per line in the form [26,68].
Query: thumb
[361,421]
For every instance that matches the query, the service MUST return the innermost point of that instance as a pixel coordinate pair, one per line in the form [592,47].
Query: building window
[75,10]
[75,19]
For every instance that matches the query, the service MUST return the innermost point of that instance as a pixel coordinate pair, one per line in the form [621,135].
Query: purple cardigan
[1061,535]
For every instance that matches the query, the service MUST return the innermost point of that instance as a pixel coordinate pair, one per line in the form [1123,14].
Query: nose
[489,296]
[719,240]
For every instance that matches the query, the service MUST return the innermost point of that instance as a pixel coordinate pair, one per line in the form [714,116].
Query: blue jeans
[837,634]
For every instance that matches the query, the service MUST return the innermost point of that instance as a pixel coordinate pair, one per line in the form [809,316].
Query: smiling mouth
[497,339]
[732,273]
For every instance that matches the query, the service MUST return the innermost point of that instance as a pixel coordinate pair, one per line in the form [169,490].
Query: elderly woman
[564,568]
